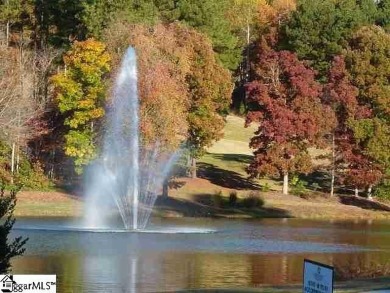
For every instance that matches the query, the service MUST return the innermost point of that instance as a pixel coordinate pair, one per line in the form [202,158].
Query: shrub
[265,187]
[298,186]
[315,186]
[217,199]
[362,270]
[233,198]
[29,175]
[253,200]
[383,191]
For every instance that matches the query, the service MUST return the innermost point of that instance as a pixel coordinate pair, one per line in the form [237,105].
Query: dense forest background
[311,73]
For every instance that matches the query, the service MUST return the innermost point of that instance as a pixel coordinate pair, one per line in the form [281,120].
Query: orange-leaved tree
[183,89]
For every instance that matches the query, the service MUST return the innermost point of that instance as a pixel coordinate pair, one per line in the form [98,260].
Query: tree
[348,155]
[383,15]
[319,30]
[182,86]
[8,249]
[255,18]
[80,95]
[98,15]
[284,100]
[57,23]
[20,112]
[209,17]
[210,88]
[163,93]
[9,14]
[368,61]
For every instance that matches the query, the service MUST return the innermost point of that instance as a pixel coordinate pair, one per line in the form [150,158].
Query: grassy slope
[222,169]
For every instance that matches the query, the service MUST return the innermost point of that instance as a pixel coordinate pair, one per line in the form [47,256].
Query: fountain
[119,177]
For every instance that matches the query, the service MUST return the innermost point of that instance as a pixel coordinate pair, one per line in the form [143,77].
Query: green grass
[235,130]
[42,209]
[232,162]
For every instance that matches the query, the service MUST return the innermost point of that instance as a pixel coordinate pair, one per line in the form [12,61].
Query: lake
[194,253]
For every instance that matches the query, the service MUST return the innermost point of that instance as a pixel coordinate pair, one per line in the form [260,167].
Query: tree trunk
[7,34]
[248,39]
[193,168]
[285,184]
[369,192]
[12,163]
[356,191]
[188,169]
[333,167]
[165,189]
[17,159]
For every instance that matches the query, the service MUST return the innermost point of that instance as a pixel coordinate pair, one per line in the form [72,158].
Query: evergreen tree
[8,249]
[209,17]
[320,29]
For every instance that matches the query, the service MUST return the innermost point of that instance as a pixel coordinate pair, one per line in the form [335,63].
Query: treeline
[312,73]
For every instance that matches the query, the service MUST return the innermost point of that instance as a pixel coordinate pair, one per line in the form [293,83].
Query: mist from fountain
[119,178]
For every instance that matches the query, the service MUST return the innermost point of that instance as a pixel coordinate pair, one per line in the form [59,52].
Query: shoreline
[343,208]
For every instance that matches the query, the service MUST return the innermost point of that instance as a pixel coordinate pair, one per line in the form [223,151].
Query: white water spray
[118,176]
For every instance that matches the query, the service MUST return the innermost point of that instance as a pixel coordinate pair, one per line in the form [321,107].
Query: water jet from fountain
[118,178]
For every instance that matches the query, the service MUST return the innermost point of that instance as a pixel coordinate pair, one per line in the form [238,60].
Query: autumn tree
[161,81]
[209,86]
[285,101]
[80,95]
[182,85]
[348,159]
[368,61]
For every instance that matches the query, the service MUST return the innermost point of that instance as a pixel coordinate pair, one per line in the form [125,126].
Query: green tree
[15,16]
[8,249]
[320,29]
[98,15]
[57,23]
[209,17]
[80,94]
[383,16]
[9,15]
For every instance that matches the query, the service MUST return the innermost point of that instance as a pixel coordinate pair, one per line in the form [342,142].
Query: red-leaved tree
[284,99]
[349,158]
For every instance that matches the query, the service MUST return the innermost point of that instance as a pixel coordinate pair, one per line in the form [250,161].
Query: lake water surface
[194,253]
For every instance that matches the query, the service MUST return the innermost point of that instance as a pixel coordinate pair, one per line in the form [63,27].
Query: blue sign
[317,277]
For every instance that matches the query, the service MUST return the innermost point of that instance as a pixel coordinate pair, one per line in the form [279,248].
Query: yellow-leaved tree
[79,92]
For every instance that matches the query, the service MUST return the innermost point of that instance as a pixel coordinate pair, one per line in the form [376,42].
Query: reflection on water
[241,254]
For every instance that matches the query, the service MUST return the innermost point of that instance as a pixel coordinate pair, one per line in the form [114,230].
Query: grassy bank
[222,173]
[47,204]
